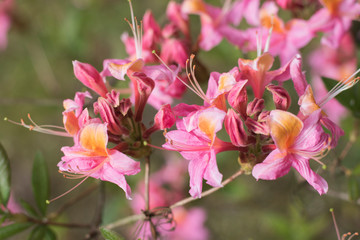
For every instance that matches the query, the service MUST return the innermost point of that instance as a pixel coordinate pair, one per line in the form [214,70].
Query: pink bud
[143,87]
[107,113]
[174,50]
[113,98]
[281,97]
[165,118]
[258,127]
[255,107]
[237,97]
[90,77]
[235,129]
[125,106]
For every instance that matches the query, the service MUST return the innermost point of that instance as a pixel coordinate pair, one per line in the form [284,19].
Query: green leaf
[40,182]
[350,100]
[49,234]
[110,235]
[30,210]
[353,188]
[13,229]
[4,177]
[37,233]
[356,170]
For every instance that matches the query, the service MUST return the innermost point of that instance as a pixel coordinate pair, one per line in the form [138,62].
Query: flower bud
[90,77]
[281,97]
[234,127]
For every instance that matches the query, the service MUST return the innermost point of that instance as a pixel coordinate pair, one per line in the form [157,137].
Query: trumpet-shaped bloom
[90,157]
[296,143]
[258,73]
[334,20]
[196,141]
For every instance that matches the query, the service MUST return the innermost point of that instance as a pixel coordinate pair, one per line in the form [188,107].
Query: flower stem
[147,183]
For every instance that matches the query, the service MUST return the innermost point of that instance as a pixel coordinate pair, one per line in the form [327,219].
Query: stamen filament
[340,87]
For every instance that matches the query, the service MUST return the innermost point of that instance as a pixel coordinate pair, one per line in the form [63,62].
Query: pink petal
[302,166]
[275,165]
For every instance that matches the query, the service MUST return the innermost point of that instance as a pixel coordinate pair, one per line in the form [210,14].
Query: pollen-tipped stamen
[340,87]
[47,129]
[193,88]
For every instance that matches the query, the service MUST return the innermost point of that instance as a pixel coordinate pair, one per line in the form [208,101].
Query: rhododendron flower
[196,141]
[258,75]
[296,143]
[284,39]
[334,19]
[90,157]
[215,22]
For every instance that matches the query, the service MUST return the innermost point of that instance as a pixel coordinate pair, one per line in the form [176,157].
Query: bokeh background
[36,75]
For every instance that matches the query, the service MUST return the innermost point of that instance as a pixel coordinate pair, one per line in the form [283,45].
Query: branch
[138,217]
[208,192]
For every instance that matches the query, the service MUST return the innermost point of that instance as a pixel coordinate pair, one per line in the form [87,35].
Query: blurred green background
[36,76]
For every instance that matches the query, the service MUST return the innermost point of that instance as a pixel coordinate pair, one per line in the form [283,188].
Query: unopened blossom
[90,157]
[296,143]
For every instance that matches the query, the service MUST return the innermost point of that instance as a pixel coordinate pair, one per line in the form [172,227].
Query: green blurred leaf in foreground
[40,182]
[4,177]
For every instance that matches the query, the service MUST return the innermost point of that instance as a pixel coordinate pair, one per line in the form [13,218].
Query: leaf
[49,234]
[350,100]
[40,182]
[30,210]
[110,235]
[356,170]
[37,233]
[13,229]
[353,188]
[4,177]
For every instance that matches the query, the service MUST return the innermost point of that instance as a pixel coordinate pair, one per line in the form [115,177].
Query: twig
[58,224]
[147,183]
[138,217]
[208,192]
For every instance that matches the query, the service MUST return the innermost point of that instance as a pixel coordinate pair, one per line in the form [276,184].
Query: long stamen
[68,191]
[267,44]
[193,76]
[136,30]
[47,129]
[258,44]
[193,88]
[340,87]
[336,226]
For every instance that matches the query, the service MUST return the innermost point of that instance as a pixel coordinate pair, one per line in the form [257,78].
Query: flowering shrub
[263,109]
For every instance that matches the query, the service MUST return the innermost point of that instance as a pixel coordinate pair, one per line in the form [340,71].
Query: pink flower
[334,20]
[258,75]
[286,38]
[215,22]
[296,143]
[90,157]
[196,141]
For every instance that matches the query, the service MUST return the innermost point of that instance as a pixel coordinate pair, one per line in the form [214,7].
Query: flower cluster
[249,103]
